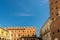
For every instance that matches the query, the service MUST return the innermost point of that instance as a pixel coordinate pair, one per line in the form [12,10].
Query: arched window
[58,30]
[33,35]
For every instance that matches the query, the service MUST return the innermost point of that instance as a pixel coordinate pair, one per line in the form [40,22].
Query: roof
[4,29]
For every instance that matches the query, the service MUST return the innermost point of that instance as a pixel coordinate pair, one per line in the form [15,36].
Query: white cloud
[22,14]
[43,2]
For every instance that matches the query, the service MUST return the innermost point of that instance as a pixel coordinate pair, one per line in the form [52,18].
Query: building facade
[55,16]
[29,38]
[55,29]
[55,24]
[4,34]
[45,32]
[54,8]
[19,32]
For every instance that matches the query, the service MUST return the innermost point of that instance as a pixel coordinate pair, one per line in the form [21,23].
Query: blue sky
[24,13]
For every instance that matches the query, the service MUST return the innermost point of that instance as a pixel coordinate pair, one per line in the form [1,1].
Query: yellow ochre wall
[4,34]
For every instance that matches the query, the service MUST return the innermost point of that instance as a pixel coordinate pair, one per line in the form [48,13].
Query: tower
[53,23]
[55,16]
[54,8]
